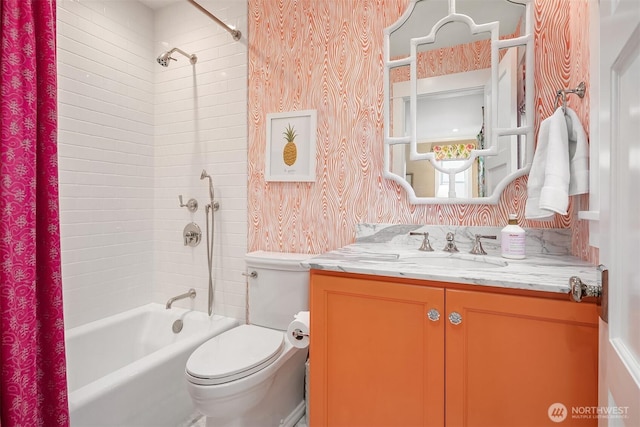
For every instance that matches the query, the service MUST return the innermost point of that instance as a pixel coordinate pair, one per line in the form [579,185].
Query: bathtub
[128,369]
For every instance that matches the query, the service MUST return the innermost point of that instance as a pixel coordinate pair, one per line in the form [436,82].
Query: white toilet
[252,375]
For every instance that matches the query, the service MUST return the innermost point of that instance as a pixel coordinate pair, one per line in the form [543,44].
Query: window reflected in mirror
[427,181]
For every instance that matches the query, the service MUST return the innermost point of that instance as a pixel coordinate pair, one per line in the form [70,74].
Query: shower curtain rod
[235,33]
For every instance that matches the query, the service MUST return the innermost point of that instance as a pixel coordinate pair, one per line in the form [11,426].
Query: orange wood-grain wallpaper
[326,55]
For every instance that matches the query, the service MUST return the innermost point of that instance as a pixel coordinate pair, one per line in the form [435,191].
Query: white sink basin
[446,260]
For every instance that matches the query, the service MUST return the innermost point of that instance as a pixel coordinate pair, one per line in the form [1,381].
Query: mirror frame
[492,129]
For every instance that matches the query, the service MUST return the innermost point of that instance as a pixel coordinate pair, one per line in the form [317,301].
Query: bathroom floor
[201,422]
[302,422]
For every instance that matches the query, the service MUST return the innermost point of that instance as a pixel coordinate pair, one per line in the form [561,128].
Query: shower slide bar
[235,33]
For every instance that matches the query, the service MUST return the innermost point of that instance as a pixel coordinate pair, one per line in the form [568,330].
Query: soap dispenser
[513,239]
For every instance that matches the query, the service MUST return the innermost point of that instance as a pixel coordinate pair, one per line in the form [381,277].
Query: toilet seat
[234,354]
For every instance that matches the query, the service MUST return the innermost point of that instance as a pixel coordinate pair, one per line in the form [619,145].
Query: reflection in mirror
[455,81]
[510,148]
[424,14]
[427,181]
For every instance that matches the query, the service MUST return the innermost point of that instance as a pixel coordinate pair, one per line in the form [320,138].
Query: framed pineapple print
[291,146]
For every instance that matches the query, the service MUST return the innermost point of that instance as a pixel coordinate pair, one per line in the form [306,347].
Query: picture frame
[291,146]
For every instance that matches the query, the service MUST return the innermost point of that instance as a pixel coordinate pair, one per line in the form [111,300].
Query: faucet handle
[426,245]
[192,234]
[192,204]
[477,246]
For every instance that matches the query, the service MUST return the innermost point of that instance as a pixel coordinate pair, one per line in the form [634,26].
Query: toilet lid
[234,354]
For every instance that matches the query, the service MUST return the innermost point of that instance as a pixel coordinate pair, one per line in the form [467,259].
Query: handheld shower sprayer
[204,175]
[164,58]
[210,208]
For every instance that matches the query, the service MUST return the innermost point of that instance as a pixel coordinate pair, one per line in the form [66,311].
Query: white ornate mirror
[449,136]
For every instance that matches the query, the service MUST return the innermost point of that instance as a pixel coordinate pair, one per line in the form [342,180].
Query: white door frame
[619,163]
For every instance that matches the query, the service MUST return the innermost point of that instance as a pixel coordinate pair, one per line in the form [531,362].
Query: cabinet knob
[433,315]
[455,318]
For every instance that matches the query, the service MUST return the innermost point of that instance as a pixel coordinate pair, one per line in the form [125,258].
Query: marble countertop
[389,250]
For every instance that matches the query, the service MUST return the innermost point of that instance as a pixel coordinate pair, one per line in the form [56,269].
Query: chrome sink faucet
[191,293]
[477,246]
[451,244]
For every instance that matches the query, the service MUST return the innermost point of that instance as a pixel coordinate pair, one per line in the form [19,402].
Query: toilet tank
[279,290]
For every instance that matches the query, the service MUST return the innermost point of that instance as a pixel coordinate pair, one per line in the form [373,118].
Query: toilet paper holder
[298,334]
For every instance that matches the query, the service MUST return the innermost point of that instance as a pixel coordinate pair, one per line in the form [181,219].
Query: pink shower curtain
[33,390]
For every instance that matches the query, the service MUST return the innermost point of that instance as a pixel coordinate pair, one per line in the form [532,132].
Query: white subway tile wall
[132,137]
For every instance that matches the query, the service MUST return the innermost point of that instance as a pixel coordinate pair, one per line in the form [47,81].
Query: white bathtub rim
[97,388]
[123,316]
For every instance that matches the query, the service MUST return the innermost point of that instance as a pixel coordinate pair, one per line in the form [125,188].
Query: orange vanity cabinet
[375,357]
[380,356]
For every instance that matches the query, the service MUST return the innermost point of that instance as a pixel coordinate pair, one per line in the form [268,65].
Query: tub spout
[190,294]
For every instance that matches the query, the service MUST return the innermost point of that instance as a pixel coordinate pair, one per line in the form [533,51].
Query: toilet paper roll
[298,330]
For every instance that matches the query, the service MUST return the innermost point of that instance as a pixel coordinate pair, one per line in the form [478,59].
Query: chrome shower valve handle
[192,235]
[192,204]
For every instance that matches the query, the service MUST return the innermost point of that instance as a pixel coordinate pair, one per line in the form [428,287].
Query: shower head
[164,58]
[204,174]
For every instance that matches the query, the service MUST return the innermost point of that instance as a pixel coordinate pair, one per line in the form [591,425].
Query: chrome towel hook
[561,95]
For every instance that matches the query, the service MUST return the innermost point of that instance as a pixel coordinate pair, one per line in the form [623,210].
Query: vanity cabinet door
[511,357]
[376,357]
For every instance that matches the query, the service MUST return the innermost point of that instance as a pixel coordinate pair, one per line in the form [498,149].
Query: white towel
[578,155]
[548,185]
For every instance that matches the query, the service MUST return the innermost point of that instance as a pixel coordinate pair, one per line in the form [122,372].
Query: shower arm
[235,33]
[193,58]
